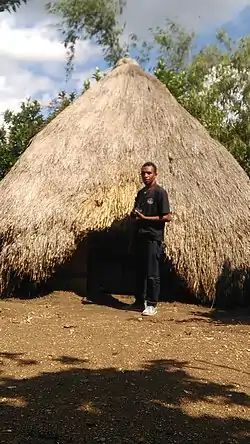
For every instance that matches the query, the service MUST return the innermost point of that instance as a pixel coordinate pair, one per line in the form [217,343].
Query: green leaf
[96,20]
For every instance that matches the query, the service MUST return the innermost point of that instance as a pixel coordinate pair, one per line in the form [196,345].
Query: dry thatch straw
[80,173]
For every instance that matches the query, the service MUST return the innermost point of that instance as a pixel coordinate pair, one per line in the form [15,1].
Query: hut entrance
[110,269]
[100,265]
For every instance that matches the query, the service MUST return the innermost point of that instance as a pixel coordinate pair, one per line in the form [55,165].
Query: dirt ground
[73,373]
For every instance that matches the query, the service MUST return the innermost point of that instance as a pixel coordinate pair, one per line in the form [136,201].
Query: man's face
[148,175]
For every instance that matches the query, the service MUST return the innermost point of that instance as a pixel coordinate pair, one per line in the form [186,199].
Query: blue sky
[236,28]
[33,58]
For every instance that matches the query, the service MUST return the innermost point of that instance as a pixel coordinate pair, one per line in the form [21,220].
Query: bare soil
[73,373]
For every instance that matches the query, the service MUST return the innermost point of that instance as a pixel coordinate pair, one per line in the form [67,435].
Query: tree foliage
[91,19]
[20,127]
[17,130]
[213,84]
[57,105]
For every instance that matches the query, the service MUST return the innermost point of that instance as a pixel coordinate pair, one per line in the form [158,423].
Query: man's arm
[164,217]
[164,210]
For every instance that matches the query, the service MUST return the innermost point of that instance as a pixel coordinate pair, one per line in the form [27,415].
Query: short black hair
[150,164]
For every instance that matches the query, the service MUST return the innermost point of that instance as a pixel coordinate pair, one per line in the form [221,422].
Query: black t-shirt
[152,202]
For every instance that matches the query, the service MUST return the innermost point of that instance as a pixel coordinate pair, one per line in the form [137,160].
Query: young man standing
[151,212]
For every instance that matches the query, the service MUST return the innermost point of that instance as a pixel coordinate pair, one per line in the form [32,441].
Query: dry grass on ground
[76,373]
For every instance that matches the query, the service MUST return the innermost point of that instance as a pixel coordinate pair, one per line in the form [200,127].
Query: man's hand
[139,215]
[164,218]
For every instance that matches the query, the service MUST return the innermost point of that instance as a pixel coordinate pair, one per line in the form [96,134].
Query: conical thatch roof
[82,172]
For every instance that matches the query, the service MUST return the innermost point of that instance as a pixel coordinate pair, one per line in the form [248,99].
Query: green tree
[23,125]
[91,19]
[62,101]
[213,83]
[20,127]
[6,159]
[16,132]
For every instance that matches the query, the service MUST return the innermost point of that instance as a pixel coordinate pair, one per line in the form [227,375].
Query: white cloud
[18,83]
[29,44]
[199,15]
[33,58]
[40,43]
[142,14]
[33,12]
[33,61]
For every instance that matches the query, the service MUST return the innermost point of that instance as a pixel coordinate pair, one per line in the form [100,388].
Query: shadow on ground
[79,405]
[237,316]
[227,317]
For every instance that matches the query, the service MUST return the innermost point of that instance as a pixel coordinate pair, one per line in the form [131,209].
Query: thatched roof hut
[81,173]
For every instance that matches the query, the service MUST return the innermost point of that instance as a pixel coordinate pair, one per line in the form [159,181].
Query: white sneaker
[149,311]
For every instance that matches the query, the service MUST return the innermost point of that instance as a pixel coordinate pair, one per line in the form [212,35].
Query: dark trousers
[148,255]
